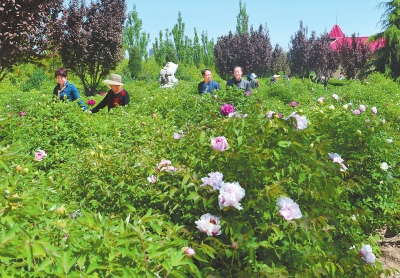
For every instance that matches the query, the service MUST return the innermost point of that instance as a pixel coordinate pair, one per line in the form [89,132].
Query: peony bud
[61,210]
[234,245]
[61,224]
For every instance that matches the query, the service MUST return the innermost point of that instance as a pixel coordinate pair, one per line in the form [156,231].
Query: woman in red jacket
[116,96]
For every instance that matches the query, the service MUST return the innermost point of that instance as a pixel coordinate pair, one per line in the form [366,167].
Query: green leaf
[202,137]
[29,254]
[284,144]
[6,253]
[68,261]
[45,265]
[9,236]
[240,140]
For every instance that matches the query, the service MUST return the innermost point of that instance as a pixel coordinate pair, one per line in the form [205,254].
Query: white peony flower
[367,255]
[230,195]
[288,209]
[214,179]
[209,224]
[384,166]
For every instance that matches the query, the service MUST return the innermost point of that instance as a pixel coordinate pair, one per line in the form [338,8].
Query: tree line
[92,39]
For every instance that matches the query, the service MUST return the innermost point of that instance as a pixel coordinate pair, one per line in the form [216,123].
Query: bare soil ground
[390,252]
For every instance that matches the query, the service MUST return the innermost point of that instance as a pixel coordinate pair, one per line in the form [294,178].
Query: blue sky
[218,17]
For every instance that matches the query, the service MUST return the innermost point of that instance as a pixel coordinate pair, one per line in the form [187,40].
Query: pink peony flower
[374,110]
[209,224]
[230,195]
[288,209]
[367,255]
[362,107]
[91,102]
[337,159]
[293,104]
[39,155]
[165,165]
[214,179]
[152,179]
[178,136]
[301,122]
[248,93]
[227,108]
[321,99]
[22,113]
[219,144]
[336,97]
[356,112]
[190,252]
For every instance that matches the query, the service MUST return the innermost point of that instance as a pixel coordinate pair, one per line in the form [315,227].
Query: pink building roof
[336,32]
[339,38]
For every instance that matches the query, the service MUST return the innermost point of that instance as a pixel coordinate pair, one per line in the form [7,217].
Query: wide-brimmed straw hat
[115,79]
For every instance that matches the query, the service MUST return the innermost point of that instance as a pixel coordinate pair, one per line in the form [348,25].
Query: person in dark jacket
[65,90]
[208,85]
[116,96]
[237,81]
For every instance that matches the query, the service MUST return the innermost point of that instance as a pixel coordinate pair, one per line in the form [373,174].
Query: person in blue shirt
[65,90]
[208,85]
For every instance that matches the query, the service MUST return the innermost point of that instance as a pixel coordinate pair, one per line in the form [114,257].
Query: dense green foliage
[387,58]
[88,208]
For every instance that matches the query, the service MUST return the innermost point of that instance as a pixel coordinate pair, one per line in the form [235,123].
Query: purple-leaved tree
[323,59]
[251,51]
[353,56]
[25,31]
[91,39]
[299,52]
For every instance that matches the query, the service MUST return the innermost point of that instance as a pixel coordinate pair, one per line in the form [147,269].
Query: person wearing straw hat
[65,90]
[116,96]
[274,78]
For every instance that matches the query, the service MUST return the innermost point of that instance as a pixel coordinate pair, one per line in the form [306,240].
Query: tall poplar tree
[242,18]
[133,35]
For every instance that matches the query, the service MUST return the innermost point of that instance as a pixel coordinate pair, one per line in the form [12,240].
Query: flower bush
[118,195]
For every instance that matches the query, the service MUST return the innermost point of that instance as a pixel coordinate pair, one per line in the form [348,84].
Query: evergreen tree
[91,39]
[387,58]
[25,31]
[242,18]
[133,35]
